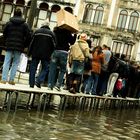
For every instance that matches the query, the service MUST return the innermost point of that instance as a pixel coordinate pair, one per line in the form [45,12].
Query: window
[116,47]
[7,12]
[98,15]
[43,11]
[133,22]
[95,40]
[28,10]
[122,20]
[127,50]
[53,20]
[88,13]
[122,48]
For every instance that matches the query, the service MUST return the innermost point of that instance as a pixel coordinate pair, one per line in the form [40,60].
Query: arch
[7,10]
[8,1]
[98,15]
[88,13]
[69,9]
[20,2]
[122,19]
[55,8]
[133,22]
[44,6]
[42,13]
[52,17]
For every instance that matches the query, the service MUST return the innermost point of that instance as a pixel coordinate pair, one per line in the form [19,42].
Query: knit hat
[83,36]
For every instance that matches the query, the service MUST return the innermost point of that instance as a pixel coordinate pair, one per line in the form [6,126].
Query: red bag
[119,84]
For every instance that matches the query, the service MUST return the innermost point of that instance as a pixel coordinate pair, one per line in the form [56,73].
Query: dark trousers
[42,74]
[75,81]
[102,83]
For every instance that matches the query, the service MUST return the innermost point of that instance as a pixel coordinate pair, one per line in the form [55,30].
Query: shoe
[72,90]
[82,89]
[3,82]
[38,85]
[65,88]
[11,82]
[93,93]
[107,95]
[49,88]
[57,88]
[31,86]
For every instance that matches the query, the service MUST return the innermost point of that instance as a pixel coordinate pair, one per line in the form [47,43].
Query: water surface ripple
[70,125]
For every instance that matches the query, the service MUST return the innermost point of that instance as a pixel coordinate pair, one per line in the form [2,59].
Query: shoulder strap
[82,49]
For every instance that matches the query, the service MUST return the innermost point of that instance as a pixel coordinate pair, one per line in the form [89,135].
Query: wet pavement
[71,124]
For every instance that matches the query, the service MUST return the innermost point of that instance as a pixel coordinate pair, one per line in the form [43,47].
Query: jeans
[85,81]
[92,83]
[15,55]
[58,59]
[33,67]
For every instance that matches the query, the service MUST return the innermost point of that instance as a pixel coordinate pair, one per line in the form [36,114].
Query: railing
[79,100]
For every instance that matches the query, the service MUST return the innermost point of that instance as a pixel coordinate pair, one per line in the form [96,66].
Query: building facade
[112,22]
[46,9]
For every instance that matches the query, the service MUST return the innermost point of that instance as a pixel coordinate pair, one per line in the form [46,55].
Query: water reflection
[70,125]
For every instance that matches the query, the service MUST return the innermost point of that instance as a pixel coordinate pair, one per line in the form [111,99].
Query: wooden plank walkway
[80,100]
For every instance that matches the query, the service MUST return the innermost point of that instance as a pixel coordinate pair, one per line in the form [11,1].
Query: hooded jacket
[16,34]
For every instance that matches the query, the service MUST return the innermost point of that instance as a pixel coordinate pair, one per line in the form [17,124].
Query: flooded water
[70,125]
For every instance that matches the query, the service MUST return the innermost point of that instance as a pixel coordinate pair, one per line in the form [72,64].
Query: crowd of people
[68,61]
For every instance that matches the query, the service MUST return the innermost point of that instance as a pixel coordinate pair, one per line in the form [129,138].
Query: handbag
[23,63]
[87,61]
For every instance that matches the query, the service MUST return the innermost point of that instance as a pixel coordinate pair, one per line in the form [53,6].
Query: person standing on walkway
[104,75]
[97,61]
[41,48]
[17,36]
[78,53]
[64,39]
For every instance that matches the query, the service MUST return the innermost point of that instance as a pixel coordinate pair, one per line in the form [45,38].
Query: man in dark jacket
[64,39]
[41,48]
[17,35]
